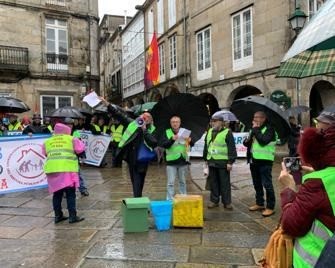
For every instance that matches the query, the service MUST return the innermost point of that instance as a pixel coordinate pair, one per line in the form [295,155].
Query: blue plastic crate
[162,213]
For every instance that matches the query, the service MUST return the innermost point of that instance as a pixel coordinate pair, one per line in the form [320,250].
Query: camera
[292,163]
[139,121]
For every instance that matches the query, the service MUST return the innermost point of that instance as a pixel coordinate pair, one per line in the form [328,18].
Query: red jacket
[311,201]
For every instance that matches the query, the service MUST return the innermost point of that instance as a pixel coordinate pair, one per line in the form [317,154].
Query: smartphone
[292,163]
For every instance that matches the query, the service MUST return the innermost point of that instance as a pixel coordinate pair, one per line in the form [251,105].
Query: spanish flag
[151,73]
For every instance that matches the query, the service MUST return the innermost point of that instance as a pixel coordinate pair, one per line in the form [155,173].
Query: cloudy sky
[117,7]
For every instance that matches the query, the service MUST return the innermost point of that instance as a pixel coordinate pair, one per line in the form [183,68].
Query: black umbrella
[295,110]
[245,108]
[85,112]
[67,111]
[12,105]
[191,110]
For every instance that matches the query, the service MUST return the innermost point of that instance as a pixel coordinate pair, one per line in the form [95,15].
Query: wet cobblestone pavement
[29,237]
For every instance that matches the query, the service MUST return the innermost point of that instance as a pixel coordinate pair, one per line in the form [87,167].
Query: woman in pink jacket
[61,168]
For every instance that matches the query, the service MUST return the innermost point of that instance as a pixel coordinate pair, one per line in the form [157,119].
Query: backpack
[278,252]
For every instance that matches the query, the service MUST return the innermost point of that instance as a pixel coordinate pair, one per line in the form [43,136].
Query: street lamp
[297,21]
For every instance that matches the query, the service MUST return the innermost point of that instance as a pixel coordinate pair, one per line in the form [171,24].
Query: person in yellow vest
[176,150]
[61,167]
[47,123]
[139,132]
[14,124]
[219,154]
[116,131]
[261,144]
[308,211]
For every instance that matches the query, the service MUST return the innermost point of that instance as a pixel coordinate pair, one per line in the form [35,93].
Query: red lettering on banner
[3,184]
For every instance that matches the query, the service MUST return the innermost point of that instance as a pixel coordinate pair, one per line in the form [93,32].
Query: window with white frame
[204,55]
[314,6]
[48,103]
[242,36]
[172,12]
[150,25]
[56,44]
[160,17]
[173,55]
[161,51]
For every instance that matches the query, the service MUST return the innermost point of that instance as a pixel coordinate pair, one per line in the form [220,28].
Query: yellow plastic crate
[188,211]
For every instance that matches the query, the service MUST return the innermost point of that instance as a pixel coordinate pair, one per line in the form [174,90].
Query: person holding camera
[139,132]
[261,144]
[308,212]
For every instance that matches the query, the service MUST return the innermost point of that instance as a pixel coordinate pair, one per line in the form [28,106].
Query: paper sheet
[183,133]
[92,99]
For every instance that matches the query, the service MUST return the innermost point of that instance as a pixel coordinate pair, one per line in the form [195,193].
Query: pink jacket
[60,180]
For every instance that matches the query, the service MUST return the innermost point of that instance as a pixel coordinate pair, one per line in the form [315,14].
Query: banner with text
[197,149]
[21,163]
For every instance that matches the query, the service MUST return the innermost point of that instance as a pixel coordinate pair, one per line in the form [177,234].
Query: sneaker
[228,206]
[85,193]
[212,205]
[268,212]
[256,208]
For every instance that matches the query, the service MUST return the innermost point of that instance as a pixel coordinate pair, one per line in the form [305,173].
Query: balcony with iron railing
[57,62]
[14,58]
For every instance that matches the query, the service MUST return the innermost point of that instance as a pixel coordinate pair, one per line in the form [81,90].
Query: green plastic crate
[135,214]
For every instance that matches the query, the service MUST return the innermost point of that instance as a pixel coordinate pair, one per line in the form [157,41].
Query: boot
[59,216]
[74,218]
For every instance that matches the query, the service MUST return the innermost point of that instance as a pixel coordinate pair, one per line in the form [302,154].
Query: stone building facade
[225,50]
[48,51]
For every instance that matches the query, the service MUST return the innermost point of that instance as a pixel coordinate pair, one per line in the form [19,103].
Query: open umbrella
[296,110]
[313,52]
[12,105]
[226,115]
[191,110]
[140,108]
[67,111]
[85,112]
[245,109]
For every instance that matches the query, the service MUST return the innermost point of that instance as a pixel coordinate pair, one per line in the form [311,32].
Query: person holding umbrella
[36,127]
[261,144]
[176,157]
[220,154]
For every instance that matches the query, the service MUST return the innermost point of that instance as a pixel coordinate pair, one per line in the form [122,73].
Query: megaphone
[139,121]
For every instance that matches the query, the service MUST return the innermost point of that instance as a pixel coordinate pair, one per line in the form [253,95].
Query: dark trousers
[262,179]
[70,199]
[137,176]
[82,183]
[220,185]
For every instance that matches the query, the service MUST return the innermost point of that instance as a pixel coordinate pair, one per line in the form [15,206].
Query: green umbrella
[313,52]
[140,108]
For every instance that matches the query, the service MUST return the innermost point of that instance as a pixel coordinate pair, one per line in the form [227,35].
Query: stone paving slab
[151,237]
[221,255]
[134,251]
[37,203]
[37,212]
[12,232]
[26,221]
[60,234]
[89,263]
[89,223]
[13,201]
[235,239]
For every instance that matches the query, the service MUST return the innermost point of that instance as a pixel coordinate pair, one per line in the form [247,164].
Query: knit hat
[327,117]
[62,129]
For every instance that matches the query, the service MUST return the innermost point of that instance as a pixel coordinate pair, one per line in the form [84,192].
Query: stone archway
[210,101]
[171,89]
[155,95]
[322,95]
[242,92]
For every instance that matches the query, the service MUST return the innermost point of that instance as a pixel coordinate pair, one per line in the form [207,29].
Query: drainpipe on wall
[185,48]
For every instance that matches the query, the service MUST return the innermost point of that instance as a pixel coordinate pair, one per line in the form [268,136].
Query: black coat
[130,149]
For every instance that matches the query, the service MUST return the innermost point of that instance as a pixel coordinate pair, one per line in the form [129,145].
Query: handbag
[278,252]
[144,154]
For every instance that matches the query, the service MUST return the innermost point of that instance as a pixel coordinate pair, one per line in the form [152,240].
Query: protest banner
[21,163]
[197,149]
[96,147]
